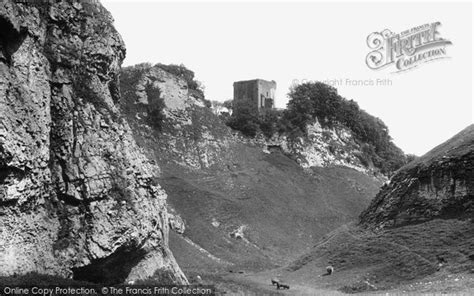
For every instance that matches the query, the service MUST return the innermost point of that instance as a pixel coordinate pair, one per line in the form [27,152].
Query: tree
[269,122]
[316,100]
[156,106]
[229,104]
[244,119]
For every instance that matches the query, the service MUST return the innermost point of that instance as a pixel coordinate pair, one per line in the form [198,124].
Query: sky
[290,43]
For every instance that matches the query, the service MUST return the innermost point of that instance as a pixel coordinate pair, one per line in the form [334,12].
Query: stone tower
[259,93]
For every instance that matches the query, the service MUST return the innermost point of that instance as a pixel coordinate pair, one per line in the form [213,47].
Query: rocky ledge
[438,185]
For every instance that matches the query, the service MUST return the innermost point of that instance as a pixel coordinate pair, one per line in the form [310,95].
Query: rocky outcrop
[321,147]
[438,185]
[193,136]
[190,135]
[78,197]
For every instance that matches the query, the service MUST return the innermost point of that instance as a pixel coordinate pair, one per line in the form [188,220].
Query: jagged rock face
[438,185]
[78,197]
[322,147]
[190,136]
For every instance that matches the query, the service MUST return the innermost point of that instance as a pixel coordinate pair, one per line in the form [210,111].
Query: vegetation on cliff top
[195,86]
[308,101]
[316,100]
[247,120]
[130,77]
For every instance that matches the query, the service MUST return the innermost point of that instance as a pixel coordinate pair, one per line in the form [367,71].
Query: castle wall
[246,91]
[266,90]
[259,93]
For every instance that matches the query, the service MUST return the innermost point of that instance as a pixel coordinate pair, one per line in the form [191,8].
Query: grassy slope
[396,258]
[284,208]
[405,259]
[388,258]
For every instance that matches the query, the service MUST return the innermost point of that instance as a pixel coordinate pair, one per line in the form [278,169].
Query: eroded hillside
[78,198]
[253,203]
[438,185]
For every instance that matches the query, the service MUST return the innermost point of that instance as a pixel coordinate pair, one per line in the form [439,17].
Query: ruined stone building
[258,92]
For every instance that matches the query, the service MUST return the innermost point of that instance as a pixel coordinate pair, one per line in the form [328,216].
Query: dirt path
[261,282]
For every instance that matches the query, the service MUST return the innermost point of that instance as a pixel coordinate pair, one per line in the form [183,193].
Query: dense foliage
[247,120]
[229,104]
[156,105]
[316,100]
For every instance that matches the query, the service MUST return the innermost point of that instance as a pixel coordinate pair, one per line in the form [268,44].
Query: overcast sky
[288,42]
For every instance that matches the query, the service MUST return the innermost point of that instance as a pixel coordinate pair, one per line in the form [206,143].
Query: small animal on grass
[275,281]
[329,270]
[283,286]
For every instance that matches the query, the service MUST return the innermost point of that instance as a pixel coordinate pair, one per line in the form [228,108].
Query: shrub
[187,75]
[129,78]
[411,157]
[224,117]
[229,104]
[156,106]
[245,119]
[207,103]
[268,122]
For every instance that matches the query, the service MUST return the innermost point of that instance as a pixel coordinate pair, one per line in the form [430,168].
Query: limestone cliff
[438,185]
[78,198]
[190,134]
[322,147]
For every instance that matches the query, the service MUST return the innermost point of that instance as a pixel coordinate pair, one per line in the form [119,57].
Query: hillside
[111,175]
[417,234]
[78,198]
[246,203]
[437,185]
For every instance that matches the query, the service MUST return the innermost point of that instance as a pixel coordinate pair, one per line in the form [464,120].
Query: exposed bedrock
[77,195]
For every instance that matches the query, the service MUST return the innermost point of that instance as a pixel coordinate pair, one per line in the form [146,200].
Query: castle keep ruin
[259,93]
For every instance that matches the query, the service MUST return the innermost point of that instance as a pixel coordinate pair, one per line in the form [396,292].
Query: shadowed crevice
[10,39]
[112,269]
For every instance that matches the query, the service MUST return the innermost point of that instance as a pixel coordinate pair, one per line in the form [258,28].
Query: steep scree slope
[78,198]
